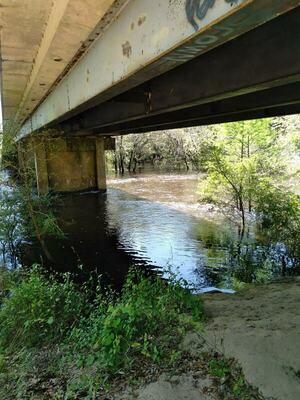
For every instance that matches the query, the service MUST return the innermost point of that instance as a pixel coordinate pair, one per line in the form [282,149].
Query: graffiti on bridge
[199,8]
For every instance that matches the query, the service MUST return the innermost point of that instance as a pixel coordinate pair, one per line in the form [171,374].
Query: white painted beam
[149,38]
[40,41]
[54,20]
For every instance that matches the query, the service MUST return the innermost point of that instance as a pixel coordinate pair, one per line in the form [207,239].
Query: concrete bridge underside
[104,68]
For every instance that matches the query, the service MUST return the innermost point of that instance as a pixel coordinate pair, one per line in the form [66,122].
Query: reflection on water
[153,221]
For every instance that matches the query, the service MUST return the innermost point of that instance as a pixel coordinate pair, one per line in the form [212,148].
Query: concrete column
[100,163]
[66,164]
[41,168]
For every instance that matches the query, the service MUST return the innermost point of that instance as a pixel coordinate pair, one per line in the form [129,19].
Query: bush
[8,279]
[39,311]
[48,328]
[147,321]
[279,213]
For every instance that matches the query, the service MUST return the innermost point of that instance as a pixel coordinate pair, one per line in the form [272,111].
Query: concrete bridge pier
[66,164]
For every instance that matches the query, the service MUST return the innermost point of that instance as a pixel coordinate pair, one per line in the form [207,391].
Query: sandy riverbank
[260,328]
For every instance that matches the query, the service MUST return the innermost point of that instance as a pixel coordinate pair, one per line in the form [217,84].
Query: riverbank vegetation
[24,215]
[251,169]
[175,150]
[188,149]
[77,342]
[59,341]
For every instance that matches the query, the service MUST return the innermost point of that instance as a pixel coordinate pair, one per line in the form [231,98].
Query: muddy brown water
[154,221]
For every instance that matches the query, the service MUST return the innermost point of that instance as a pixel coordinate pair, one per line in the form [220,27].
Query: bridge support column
[100,163]
[68,164]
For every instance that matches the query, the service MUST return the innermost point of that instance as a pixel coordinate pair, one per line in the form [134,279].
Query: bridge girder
[146,47]
[245,78]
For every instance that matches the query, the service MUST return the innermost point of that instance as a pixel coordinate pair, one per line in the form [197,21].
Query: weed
[146,321]
[39,311]
[239,387]
[219,367]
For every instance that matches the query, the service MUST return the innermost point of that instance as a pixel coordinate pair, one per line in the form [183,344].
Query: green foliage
[232,380]
[64,347]
[248,166]
[289,128]
[38,212]
[8,279]
[190,148]
[242,153]
[219,367]
[239,388]
[279,213]
[38,311]
[10,228]
[147,321]
[50,323]
[23,214]
[8,148]
[171,150]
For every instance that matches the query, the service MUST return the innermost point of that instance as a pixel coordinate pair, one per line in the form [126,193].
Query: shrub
[279,212]
[39,311]
[49,328]
[147,321]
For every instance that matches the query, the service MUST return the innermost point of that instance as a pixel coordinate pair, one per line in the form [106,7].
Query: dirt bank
[260,328]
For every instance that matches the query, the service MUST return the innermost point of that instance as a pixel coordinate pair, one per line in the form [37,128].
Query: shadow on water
[90,246]
[108,233]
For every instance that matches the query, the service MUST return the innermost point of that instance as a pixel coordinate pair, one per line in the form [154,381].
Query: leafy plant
[39,310]
[143,325]
[219,367]
[11,229]
[279,214]
[242,153]
[147,321]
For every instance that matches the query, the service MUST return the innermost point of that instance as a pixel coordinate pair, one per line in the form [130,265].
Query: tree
[173,150]
[278,212]
[242,153]
[248,169]
[22,212]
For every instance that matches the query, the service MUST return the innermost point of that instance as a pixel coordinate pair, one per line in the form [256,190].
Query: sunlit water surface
[153,221]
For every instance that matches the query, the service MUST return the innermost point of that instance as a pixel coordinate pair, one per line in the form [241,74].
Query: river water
[154,221]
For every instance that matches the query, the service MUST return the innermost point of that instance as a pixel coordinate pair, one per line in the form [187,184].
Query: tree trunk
[250,205]
[115,162]
[242,209]
[121,164]
[186,164]
[130,161]
[134,166]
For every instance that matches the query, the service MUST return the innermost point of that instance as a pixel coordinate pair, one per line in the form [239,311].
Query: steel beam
[267,103]
[243,75]
[211,120]
[148,39]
